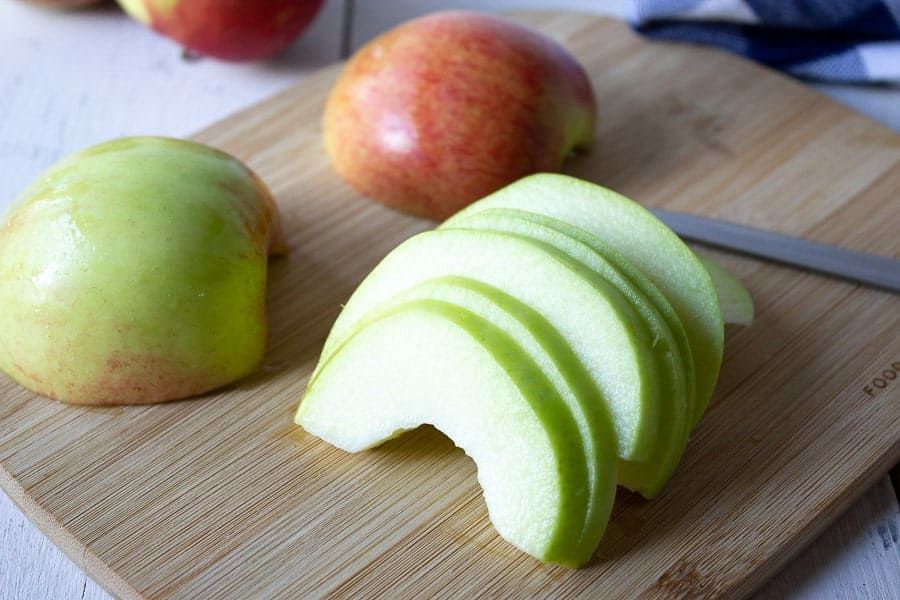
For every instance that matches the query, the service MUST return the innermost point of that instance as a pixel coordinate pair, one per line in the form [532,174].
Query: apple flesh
[450,368]
[646,297]
[135,272]
[604,332]
[585,287]
[649,475]
[734,299]
[447,108]
[643,240]
[554,358]
[237,30]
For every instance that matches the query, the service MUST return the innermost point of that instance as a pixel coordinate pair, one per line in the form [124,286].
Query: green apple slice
[649,300]
[428,361]
[734,299]
[604,331]
[651,474]
[553,356]
[645,241]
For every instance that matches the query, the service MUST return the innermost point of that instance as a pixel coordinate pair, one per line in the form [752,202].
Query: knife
[860,267]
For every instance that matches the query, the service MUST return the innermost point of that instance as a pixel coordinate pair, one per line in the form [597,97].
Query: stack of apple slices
[557,332]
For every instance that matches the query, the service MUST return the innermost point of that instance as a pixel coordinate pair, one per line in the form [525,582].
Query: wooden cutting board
[223,496]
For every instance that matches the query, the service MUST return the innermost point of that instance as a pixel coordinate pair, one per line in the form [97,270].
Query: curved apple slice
[645,241]
[650,301]
[734,299]
[603,331]
[428,361]
[650,475]
[553,356]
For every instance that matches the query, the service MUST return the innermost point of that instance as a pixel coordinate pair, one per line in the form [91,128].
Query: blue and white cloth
[851,41]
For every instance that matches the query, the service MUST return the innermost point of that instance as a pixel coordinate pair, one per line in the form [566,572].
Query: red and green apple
[447,108]
[231,30]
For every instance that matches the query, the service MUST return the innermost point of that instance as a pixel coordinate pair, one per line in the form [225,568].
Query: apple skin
[450,107]
[238,30]
[135,272]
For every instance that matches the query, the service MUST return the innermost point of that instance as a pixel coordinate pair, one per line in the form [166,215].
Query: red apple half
[450,107]
[227,29]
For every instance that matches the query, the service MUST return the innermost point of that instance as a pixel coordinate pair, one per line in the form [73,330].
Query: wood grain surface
[223,496]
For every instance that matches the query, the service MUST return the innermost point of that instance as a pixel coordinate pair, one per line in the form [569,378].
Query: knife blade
[860,267]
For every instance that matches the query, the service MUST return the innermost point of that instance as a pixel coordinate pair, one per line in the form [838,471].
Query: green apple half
[650,474]
[455,370]
[135,271]
[643,240]
[605,333]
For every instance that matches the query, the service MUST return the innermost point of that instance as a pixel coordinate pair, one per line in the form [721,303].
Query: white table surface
[69,80]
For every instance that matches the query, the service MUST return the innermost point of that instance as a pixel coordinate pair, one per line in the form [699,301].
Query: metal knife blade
[860,267]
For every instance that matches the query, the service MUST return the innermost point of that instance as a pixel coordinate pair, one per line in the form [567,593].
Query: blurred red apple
[227,29]
[450,107]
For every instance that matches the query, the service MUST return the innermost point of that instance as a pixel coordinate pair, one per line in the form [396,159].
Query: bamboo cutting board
[223,496]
